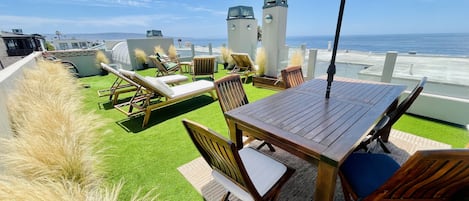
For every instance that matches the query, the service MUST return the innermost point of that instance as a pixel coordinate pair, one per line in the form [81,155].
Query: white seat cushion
[160,86]
[191,88]
[263,171]
[169,79]
[127,73]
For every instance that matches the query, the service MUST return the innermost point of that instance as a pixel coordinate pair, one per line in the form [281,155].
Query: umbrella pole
[331,69]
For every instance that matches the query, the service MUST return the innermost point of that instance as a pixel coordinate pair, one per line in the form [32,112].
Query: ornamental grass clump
[296,59]
[226,56]
[55,153]
[141,57]
[101,58]
[172,53]
[159,50]
[261,61]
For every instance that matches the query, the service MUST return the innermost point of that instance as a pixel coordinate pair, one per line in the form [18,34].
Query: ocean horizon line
[440,44]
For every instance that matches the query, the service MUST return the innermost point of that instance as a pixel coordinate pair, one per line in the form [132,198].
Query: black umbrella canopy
[331,68]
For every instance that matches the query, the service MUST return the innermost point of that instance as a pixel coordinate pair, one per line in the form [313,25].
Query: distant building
[154,33]
[67,44]
[18,44]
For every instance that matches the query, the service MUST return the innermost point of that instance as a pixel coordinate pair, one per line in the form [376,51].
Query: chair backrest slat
[203,65]
[429,174]
[242,60]
[220,153]
[292,76]
[230,92]
[407,102]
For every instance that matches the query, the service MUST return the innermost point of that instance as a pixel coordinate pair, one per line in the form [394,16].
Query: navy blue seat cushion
[366,172]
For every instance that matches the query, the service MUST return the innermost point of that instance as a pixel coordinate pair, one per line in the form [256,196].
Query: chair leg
[363,146]
[225,197]
[271,148]
[383,146]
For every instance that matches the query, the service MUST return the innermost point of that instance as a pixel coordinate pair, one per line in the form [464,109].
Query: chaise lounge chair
[123,84]
[243,65]
[149,91]
[164,67]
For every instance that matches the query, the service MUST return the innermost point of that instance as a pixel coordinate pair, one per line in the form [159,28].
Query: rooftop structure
[18,44]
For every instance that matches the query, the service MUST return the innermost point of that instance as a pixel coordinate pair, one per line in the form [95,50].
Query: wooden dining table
[322,131]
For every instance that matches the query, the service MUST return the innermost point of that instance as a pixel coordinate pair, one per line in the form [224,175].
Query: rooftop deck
[148,158]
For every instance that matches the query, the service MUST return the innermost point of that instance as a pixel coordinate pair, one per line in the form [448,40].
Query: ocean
[440,44]
[450,44]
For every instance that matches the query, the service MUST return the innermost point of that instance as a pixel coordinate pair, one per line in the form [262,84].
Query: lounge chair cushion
[170,65]
[127,73]
[366,172]
[154,83]
[263,171]
[191,88]
[166,63]
[161,87]
[169,79]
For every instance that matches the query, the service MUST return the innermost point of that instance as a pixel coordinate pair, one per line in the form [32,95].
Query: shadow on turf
[134,124]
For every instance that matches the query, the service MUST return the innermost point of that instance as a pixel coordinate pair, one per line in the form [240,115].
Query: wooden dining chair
[292,76]
[203,66]
[426,175]
[380,132]
[246,173]
[231,95]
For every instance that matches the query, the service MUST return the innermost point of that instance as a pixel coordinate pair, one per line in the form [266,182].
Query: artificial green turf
[148,158]
[454,135]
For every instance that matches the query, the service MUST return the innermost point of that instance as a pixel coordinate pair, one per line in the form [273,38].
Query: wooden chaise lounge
[157,94]
[244,65]
[123,84]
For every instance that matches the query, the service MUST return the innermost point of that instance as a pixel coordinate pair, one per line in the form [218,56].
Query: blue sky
[207,18]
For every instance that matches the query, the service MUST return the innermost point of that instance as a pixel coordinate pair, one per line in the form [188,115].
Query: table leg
[236,135]
[325,181]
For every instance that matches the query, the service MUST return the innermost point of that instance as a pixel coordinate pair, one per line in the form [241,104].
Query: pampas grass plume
[159,50]
[261,60]
[172,53]
[140,55]
[296,59]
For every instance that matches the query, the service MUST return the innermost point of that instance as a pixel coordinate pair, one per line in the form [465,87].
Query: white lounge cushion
[127,73]
[154,83]
[191,88]
[263,171]
[169,79]
[161,87]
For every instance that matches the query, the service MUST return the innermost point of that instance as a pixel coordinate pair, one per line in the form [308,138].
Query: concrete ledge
[454,110]
[8,78]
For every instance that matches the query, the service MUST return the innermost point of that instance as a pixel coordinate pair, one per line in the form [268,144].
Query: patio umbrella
[331,68]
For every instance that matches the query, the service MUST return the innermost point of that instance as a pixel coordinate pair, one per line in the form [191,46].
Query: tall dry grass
[296,58]
[261,60]
[141,56]
[55,153]
[172,53]
[158,49]
[225,54]
[101,58]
